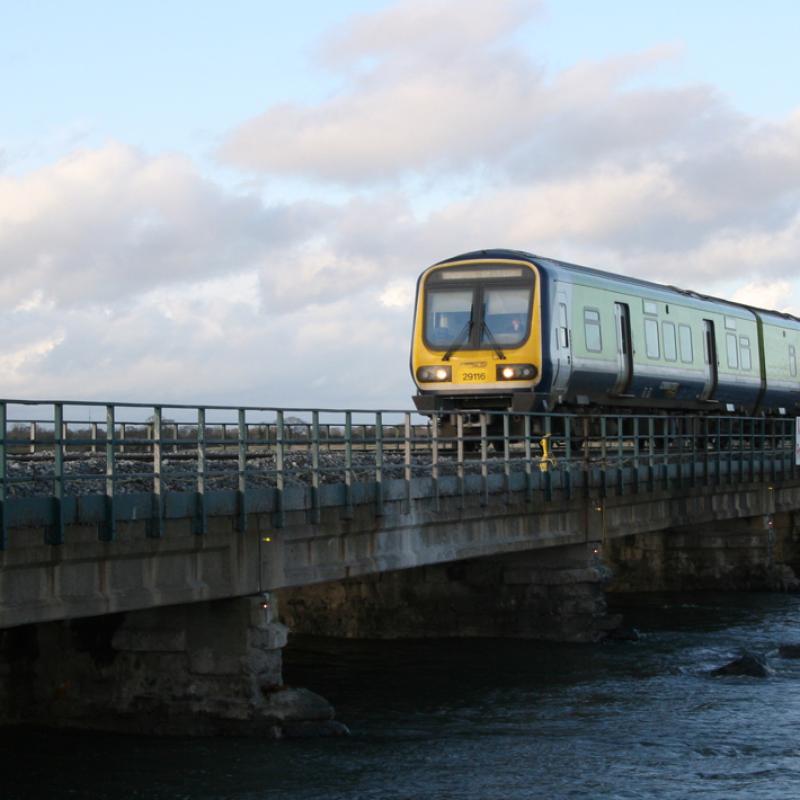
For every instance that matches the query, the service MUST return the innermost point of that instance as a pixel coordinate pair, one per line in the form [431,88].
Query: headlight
[516,372]
[434,374]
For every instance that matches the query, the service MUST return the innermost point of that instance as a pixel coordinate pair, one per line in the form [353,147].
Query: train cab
[477,333]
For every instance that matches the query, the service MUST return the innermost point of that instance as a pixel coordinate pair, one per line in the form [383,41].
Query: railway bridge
[154,558]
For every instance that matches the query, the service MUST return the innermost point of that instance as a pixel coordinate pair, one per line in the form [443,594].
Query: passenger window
[591,327]
[563,335]
[733,351]
[670,347]
[792,361]
[685,340]
[744,350]
[651,339]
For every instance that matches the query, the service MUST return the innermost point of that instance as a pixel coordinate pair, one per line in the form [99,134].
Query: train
[510,330]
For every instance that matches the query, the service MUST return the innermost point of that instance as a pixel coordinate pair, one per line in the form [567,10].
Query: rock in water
[624,633]
[301,713]
[747,664]
[789,651]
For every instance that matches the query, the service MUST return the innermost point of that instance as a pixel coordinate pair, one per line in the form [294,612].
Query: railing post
[730,451]
[122,437]
[109,528]
[280,511]
[242,462]
[460,457]
[788,452]
[636,455]
[651,454]
[586,455]
[32,446]
[665,466]
[378,464]
[156,528]
[348,464]
[435,460]
[528,460]
[547,475]
[773,441]
[55,535]
[3,475]
[93,448]
[407,458]
[315,510]
[201,514]
[620,457]
[484,461]
[603,454]
[741,451]
[507,456]
[566,474]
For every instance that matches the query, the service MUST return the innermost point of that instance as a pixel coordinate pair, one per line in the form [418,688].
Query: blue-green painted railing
[48,434]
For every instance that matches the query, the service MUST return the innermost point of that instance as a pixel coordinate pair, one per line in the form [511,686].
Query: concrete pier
[202,669]
[757,553]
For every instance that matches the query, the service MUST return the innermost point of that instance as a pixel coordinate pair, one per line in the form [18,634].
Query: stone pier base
[205,668]
[555,594]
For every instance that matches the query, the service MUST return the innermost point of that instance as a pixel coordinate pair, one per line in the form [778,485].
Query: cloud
[101,225]
[17,363]
[425,30]
[436,91]
[669,183]
[773,294]
[398,295]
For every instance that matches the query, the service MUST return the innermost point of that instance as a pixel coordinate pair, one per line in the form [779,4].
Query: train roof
[552,263]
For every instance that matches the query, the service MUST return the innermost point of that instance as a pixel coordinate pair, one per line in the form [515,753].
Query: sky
[231,203]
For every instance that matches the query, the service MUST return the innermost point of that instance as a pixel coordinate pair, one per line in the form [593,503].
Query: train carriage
[511,330]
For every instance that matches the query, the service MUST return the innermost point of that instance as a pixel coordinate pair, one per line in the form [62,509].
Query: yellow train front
[477,334]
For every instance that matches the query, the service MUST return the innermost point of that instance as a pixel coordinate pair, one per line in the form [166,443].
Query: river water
[488,719]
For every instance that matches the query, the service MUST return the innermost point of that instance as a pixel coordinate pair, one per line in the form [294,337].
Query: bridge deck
[287,507]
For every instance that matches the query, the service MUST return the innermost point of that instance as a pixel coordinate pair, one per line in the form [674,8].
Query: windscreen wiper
[493,342]
[460,339]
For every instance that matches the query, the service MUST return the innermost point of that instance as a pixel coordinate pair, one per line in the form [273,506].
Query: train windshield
[448,313]
[478,308]
[505,314]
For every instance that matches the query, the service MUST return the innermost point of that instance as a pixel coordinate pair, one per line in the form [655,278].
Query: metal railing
[60,448]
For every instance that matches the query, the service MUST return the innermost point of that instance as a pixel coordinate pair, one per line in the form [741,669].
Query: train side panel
[782,360]
[669,364]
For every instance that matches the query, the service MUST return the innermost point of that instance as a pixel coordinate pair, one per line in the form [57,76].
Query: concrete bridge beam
[556,594]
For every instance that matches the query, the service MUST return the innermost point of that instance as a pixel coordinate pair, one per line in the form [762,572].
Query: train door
[562,362]
[624,349]
[710,359]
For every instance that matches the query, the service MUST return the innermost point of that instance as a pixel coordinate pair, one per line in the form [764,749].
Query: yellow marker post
[546,461]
